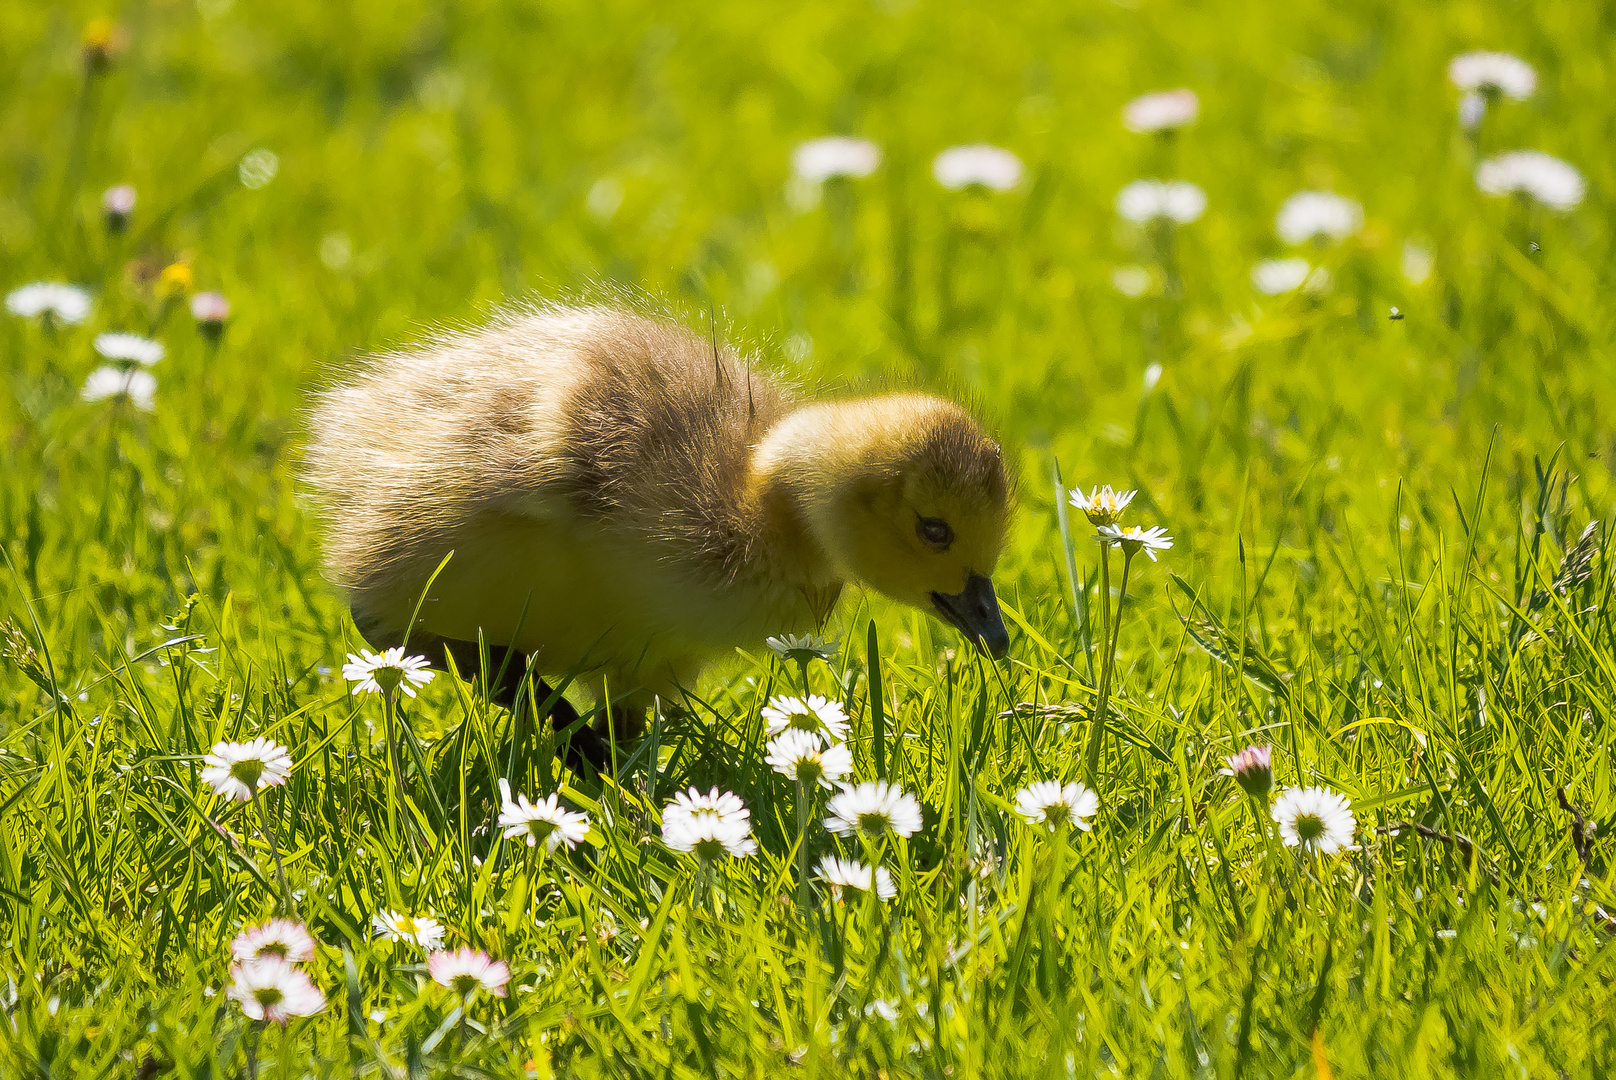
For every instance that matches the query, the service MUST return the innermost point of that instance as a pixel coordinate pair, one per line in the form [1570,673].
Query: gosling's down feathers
[626,500]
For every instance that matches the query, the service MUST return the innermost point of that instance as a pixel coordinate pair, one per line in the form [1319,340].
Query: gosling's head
[908,495]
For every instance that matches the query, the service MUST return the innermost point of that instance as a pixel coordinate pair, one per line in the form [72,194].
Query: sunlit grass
[1388,492]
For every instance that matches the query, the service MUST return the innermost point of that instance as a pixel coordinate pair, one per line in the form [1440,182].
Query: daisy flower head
[978,165]
[130,347]
[873,807]
[544,822]
[1132,281]
[237,770]
[1317,214]
[421,930]
[1545,178]
[835,156]
[63,303]
[1047,802]
[137,387]
[1102,506]
[272,989]
[381,674]
[708,825]
[842,874]
[466,971]
[117,205]
[1315,819]
[209,309]
[1253,769]
[1275,277]
[812,713]
[1161,111]
[1134,538]
[802,756]
[1494,73]
[1178,201]
[802,649]
[280,939]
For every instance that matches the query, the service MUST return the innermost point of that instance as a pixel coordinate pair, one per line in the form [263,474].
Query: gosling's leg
[585,745]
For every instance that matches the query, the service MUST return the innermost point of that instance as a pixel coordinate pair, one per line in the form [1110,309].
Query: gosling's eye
[935,532]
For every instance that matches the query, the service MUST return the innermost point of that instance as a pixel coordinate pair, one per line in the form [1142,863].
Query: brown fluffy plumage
[627,500]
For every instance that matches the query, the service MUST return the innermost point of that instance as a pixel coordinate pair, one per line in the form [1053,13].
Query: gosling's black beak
[975,613]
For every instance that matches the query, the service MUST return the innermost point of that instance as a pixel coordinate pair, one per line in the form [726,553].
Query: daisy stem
[392,764]
[274,849]
[1113,630]
[802,847]
[802,670]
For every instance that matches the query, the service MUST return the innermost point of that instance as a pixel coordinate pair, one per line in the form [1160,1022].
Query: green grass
[1373,522]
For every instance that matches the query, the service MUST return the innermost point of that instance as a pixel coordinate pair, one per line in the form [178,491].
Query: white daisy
[872,807]
[1418,262]
[824,159]
[236,770]
[813,713]
[708,825]
[465,971]
[1309,214]
[257,168]
[1253,769]
[421,930]
[1161,111]
[543,822]
[1102,506]
[1133,539]
[1276,276]
[272,989]
[1314,818]
[1493,71]
[117,204]
[979,165]
[380,674]
[1550,181]
[1132,281]
[1170,200]
[801,756]
[135,386]
[802,649]
[1048,803]
[69,304]
[130,347]
[209,308]
[278,938]
[842,874]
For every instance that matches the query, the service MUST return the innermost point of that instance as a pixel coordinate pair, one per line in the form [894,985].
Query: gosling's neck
[797,471]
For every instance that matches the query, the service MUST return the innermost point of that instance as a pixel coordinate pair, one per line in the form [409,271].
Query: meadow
[1385,470]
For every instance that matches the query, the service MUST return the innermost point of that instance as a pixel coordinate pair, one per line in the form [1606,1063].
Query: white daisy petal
[842,874]
[236,770]
[980,165]
[1495,71]
[545,821]
[708,825]
[421,930]
[1552,182]
[1048,802]
[813,713]
[133,347]
[824,159]
[466,971]
[873,807]
[137,387]
[1314,819]
[1310,214]
[68,304]
[379,673]
[1161,111]
[273,990]
[803,756]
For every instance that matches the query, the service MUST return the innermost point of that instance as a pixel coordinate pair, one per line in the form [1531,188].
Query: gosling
[626,502]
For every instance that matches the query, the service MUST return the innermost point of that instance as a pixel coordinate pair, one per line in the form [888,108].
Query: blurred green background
[1368,503]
